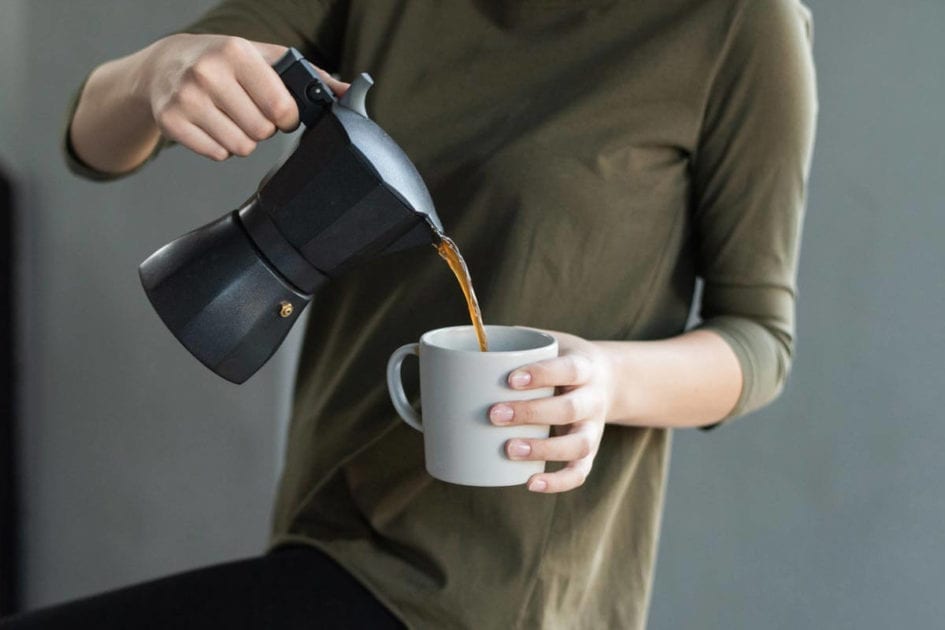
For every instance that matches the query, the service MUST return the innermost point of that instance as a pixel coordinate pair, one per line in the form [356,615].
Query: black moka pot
[231,290]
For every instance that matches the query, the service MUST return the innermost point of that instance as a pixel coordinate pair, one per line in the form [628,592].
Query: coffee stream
[449,252]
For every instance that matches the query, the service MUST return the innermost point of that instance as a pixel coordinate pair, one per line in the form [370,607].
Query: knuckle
[234,47]
[187,97]
[217,154]
[570,370]
[202,73]
[244,148]
[281,108]
[585,447]
[540,373]
[580,368]
[262,130]
[166,121]
[526,413]
[571,407]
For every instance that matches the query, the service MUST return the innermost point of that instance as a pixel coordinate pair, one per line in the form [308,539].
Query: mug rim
[426,342]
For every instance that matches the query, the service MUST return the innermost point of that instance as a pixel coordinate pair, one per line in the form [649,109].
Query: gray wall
[827,510]
[823,511]
[137,460]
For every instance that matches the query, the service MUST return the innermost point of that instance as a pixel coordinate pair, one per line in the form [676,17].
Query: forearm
[113,129]
[690,380]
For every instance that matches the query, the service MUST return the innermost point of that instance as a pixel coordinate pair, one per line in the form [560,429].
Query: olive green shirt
[591,158]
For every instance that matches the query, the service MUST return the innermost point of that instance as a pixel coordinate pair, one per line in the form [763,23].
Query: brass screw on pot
[286,309]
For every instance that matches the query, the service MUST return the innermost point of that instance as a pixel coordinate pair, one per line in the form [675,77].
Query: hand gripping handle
[313,97]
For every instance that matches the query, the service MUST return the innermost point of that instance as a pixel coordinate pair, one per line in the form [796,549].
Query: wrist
[138,69]
[113,130]
[614,386]
[123,83]
[626,383]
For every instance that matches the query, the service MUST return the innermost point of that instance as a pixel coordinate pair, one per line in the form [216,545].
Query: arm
[132,136]
[749,182]
[687,381]
[213,93]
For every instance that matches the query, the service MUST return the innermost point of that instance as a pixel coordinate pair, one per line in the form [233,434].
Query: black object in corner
[9,504]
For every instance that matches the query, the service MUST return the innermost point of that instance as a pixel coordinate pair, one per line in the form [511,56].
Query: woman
[591,158]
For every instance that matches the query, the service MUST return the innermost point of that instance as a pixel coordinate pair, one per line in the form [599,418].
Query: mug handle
[396,386]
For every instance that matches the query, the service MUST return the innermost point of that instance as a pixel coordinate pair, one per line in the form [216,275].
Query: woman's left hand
[584,377]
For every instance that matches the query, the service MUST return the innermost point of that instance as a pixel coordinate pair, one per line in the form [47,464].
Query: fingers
[568,478]
[570,369]
[578,448]
[232,100]
[581,410]
[192,137]
[576,405]
[222,129]
[219,96]
[563,448]
[263,85]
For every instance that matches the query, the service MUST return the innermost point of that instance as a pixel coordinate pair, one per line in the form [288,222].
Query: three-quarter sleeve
[315,27]
[749,185]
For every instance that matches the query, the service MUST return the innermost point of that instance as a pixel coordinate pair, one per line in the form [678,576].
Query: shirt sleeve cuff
[752,344]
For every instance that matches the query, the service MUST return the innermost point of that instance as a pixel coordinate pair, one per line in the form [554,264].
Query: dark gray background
[137,460]
[825,510]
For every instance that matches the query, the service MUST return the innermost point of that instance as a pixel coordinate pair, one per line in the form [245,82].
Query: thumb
[337,87]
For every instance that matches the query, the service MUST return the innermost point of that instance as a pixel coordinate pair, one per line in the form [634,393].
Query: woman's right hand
[215,94]
[218,95]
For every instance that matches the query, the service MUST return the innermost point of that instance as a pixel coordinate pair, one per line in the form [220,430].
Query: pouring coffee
[231,290]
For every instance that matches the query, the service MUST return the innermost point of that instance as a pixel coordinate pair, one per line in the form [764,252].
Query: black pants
[292,587]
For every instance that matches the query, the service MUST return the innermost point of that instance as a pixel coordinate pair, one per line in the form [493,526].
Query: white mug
[458,385]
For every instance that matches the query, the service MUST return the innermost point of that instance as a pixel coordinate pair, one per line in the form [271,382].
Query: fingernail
[538,485]
[519,449]
[501,414]
[520,379]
